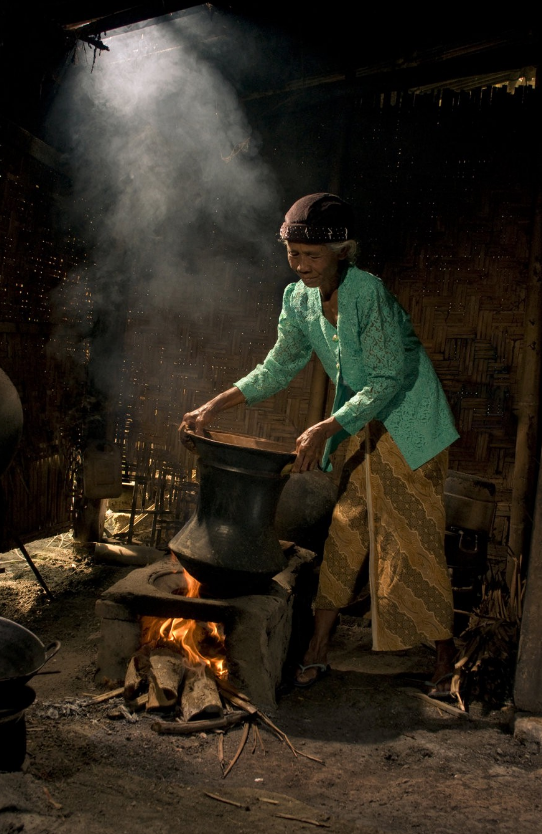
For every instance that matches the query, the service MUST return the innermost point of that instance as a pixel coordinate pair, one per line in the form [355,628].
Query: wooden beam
[527,443]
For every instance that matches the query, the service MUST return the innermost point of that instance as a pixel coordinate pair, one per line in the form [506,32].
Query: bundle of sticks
[486,665]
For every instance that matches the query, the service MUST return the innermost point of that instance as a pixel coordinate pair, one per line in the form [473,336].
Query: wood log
[127,554]
[199,696]
[133,680]
[184,728]
[527,402]
[137,673]
[166,670]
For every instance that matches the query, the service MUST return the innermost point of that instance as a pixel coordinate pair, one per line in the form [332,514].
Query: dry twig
[441,705]
[50,799]
[303,819]
[258,737]
[221,759]
[223,799]
[242,743]
[106,696]
[240,700]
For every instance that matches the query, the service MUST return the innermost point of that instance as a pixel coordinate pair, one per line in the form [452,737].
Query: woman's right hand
[194,422]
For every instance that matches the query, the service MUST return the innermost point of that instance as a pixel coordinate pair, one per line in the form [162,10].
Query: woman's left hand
[310,445]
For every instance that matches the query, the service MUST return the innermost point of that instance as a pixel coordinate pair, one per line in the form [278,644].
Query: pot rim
[258,444]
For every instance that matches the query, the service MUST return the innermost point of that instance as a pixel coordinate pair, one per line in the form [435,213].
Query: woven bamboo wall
[468,309]
[34,260]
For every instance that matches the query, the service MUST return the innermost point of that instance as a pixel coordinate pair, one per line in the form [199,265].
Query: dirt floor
[390,761]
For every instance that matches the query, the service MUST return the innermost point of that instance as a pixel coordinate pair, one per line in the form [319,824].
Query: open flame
[201,644]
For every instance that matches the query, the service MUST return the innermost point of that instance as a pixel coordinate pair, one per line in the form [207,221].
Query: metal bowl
[22,654]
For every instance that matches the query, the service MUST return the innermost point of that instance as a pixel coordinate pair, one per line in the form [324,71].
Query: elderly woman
[394,424]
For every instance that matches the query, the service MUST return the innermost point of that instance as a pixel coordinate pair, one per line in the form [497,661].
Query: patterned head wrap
[318,218]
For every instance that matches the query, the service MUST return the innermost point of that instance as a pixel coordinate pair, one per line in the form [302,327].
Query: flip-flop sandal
[321,671]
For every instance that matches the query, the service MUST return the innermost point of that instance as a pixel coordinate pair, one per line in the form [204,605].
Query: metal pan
[22,654]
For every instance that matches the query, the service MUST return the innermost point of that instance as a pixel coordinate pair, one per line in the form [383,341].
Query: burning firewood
[134,678]
[166,670]
[199,696]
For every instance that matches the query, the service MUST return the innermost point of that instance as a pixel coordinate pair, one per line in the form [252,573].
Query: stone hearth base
[258,627]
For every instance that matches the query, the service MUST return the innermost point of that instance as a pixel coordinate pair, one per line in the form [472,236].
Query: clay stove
[249,581]
[257,627]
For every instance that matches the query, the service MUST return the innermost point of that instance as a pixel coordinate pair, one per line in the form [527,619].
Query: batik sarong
[386,542]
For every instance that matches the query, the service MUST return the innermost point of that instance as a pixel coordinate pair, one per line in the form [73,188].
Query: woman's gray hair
[349,247]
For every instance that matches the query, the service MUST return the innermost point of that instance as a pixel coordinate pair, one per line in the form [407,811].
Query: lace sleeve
[287,357]
[380,321]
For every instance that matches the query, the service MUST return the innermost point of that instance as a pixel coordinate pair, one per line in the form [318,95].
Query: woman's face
[315,264]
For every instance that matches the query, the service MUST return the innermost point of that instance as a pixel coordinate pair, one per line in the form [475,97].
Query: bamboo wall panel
[35,257]
[469,315]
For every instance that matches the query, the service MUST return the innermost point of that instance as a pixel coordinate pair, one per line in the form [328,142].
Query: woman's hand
[310,445]
[195,421]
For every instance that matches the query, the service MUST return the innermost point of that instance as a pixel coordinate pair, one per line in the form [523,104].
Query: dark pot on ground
[13,727]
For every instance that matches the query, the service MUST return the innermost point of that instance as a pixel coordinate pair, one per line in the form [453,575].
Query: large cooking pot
[22,654]
[230,544]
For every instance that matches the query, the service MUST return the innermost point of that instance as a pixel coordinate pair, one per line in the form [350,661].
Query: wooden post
[528,682]
[525,466]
